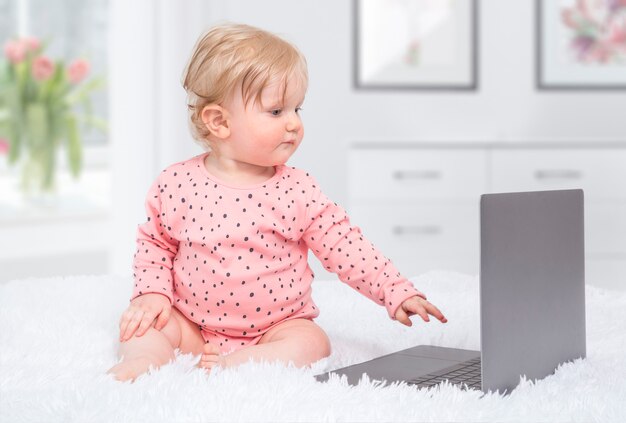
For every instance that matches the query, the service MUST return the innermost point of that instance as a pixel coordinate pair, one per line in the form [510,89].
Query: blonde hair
[232,56]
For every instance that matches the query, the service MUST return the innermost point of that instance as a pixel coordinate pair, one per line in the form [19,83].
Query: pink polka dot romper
[234,259]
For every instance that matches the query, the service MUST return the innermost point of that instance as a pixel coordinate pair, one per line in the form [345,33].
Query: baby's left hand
[417,305]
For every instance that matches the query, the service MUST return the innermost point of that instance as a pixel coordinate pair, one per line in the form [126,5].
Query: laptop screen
[532,284]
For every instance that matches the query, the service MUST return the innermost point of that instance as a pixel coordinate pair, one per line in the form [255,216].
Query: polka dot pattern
[234,259]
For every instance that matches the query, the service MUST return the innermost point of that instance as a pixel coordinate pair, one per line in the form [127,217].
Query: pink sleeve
[156,249]
[344,250]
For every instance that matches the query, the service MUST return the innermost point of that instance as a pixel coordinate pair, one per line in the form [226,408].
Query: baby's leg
[155,348]
[299,341]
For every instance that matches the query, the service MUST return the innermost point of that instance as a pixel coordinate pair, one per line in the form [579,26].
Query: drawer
[600,173]
[439,233]
[442,229]
[420,230]
[406,174]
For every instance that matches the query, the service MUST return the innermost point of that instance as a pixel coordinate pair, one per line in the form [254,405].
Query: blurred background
[473,97]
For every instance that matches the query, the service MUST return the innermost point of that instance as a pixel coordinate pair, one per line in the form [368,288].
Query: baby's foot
[210,357]
[131,369]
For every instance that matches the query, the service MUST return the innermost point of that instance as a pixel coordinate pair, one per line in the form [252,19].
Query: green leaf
[57,125]
[13,100]
[8,130]
[48,158]
[5,115]
[80,94]
[94,122]
[37,126]
[53,85]
[74,146]
[16,121]
[15,143]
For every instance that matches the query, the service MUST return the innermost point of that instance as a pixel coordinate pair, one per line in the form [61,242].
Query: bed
[58,336]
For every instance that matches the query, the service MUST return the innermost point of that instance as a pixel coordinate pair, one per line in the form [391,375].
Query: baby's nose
[293,123]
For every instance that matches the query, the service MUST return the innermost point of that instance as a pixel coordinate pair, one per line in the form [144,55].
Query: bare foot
[211,357]
[131,369]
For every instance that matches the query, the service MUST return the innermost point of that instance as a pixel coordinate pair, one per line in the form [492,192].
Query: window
[71,29]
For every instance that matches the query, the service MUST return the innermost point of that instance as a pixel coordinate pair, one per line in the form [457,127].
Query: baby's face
[269,132]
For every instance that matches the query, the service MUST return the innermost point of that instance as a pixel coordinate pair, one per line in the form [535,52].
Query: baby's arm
[152,294]
[156,248]
[344,250]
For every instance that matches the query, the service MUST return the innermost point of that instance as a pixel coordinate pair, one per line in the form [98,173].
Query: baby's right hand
[141,314]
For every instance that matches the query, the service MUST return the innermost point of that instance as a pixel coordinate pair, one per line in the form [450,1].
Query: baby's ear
[215,118]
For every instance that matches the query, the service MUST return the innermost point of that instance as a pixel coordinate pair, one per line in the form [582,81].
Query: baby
[221,263]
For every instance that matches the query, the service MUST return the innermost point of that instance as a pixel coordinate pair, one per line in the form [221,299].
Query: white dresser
[419,202]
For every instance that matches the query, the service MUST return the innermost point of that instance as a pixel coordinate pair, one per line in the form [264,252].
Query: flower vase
[40,105]
[38,181]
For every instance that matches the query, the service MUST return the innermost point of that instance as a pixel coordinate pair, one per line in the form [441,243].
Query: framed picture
[581,44]
[415,44]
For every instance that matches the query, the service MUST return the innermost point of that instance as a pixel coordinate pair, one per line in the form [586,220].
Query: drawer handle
[558,174]
[417,230]
[417,174]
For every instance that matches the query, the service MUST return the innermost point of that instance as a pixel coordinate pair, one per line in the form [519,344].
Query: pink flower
[15,51]
[617,32]
[31,43]
[568,18]
[77,70]
[43,68]
[4,147]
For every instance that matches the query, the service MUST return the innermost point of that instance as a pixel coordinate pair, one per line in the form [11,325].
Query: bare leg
[139,353]
[299,341]
[156,348]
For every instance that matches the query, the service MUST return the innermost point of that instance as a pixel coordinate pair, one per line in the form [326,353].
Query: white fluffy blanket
[59,336]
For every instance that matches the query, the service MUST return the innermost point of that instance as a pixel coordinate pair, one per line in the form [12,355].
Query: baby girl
[221,266]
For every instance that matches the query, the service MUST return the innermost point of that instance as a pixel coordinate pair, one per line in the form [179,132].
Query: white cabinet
[411,174]
[419,202]
[599,171]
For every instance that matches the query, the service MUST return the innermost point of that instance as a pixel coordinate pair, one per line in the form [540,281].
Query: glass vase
[38,178]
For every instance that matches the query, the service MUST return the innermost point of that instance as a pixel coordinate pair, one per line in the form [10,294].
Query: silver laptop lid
[532,284]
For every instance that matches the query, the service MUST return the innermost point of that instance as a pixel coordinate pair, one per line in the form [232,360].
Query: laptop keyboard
[466,373]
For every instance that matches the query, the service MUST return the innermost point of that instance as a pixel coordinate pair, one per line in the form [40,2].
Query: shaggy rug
[59,336]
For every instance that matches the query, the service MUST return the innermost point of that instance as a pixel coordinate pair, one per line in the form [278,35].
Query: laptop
[532,300]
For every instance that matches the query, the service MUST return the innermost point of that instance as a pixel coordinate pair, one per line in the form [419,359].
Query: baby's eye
[298,109]
[276,112]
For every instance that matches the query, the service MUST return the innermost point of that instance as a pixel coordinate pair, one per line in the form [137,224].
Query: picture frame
[580,45]
[415,45]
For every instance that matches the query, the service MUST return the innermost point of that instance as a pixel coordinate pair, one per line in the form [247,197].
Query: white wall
[149,115]
[506,105]
[149,44]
